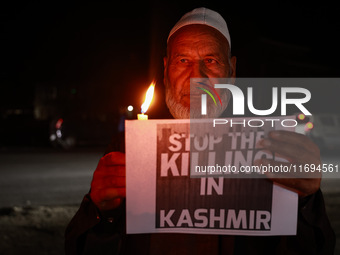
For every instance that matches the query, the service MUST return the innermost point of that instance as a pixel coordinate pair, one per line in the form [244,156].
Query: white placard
[161,196]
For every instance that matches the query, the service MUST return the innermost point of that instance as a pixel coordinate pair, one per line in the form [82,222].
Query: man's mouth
[192,95]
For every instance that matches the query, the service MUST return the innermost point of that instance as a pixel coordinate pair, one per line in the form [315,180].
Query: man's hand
[108,183]
[297,149]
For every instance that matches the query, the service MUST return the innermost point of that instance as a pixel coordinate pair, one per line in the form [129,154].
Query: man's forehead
[200,39]
[187,50]
[198,29]
[198,36]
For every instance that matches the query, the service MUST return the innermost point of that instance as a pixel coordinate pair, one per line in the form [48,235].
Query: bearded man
[199,46]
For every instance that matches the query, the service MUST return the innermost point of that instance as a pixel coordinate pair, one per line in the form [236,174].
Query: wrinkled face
[196,51]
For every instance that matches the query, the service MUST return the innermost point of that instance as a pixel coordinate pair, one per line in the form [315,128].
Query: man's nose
[198,70]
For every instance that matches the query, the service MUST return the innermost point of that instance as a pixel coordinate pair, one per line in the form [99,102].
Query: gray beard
[178,111]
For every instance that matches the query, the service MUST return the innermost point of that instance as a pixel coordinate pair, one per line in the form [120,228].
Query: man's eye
[184,60]
[210,61]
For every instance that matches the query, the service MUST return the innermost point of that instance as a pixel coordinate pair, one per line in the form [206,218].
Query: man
[198,47]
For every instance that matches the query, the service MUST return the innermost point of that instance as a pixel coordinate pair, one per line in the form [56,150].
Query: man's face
[195,51]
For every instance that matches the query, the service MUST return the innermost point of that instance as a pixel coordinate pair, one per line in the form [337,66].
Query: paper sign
[164,197]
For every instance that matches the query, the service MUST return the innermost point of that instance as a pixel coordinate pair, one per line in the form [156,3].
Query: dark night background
[87,60]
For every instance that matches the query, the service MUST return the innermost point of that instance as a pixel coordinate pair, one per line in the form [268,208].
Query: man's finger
[113,158]
[294,138]
[108,182]
[291,152]
[107,205]
[110,170]
[303,183]
[303,187]
[111,193]
[287,170]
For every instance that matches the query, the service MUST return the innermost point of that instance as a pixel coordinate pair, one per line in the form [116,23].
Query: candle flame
[148,97]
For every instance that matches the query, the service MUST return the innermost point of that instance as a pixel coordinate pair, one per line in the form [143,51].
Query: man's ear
[233,67]
[165,62]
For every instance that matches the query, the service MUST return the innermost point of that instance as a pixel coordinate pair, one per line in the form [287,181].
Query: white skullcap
[203,16]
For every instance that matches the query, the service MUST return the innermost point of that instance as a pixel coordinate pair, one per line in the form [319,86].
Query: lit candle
[142,116]
[147,102]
